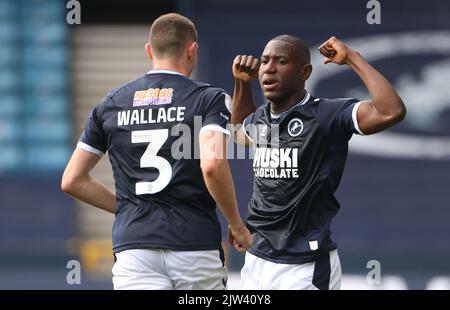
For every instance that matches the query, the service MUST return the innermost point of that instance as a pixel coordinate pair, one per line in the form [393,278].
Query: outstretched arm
[245,69]
[219,182]
[77,182]
[385,108]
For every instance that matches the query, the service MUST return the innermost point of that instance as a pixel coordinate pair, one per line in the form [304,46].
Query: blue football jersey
[298,163]
[150,129]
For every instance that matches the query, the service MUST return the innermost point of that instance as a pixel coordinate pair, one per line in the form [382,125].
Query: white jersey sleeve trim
[355,117]
[89,148]
[245,131]
[215,127]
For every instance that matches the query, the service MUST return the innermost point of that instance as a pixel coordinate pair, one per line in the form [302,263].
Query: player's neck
[171,66]
[279,107]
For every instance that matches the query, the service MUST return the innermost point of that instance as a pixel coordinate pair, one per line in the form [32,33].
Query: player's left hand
[335,51]
[240,239]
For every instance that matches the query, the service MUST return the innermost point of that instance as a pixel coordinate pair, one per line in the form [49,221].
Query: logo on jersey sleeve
[228,102]
[295,127]
[153,96]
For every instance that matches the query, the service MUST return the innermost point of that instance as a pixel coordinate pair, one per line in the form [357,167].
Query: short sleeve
[218,113]
[93,138]
[338,117]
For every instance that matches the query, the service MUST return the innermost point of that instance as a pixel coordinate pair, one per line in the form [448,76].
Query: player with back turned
[166,234]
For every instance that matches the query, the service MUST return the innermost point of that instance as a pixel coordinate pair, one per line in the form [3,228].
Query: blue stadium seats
[9,55]
[47,81]
[35,127]
[9,80]
[11,157]
[47,157]
[10,130]
[47,129]
[8,31]
[49,33]
[51,105]
[8,8]
[39,10]
[10,107]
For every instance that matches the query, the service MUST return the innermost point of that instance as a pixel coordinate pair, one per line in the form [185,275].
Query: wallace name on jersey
[276,163]
[150,116]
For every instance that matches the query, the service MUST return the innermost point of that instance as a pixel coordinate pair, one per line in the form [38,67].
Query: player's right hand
[245,67]
[240,238]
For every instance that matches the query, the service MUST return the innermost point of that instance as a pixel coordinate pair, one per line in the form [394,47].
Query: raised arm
[77,182]
[385,108]
[219,182]
[245,70]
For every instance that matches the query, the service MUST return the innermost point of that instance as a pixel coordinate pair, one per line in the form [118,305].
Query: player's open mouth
[270,84]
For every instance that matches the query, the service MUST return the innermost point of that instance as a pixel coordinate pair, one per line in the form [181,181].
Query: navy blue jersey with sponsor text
[298,163]
[150,128]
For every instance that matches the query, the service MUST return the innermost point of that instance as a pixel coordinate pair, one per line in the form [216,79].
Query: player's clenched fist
[245,67]
[335,51]
[240,238]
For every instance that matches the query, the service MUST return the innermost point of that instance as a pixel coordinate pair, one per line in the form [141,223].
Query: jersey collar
[163,71]
[276,116]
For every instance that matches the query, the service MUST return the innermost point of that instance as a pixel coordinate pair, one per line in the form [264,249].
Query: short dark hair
[302,49]
[170,33]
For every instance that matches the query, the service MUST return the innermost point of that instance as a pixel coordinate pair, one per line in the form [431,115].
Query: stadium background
[395,198]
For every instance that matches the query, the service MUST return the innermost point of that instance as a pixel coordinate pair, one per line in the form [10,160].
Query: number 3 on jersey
[150,159]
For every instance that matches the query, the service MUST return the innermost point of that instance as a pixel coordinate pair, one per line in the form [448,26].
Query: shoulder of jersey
[208,87]
[212,91]
[201,84]
[124,88]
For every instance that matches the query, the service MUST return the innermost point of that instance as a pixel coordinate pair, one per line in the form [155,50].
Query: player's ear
[192,50]
[148,49]
[306,72]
